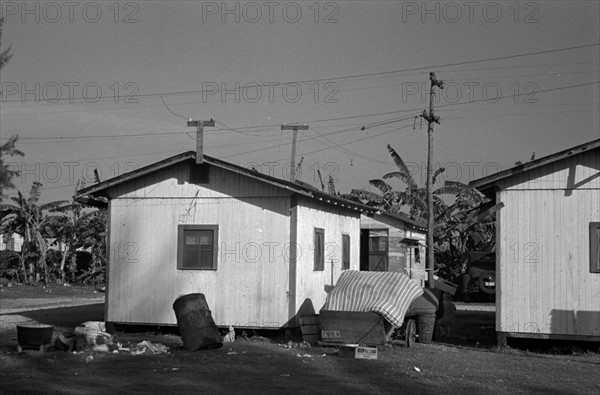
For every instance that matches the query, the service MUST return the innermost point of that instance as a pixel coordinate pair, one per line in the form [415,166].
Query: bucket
[34,334]
[309,324]
[425,327]
[196,325]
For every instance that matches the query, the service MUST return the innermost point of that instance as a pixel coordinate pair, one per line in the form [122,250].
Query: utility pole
[200,137]
[430,118]
[295,129]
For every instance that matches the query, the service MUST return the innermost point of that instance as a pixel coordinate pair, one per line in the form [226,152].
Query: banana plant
[29,219]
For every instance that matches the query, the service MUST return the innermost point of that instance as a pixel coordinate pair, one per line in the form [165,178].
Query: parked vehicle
[481,275]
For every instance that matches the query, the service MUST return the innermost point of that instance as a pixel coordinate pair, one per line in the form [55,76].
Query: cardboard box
[357,352]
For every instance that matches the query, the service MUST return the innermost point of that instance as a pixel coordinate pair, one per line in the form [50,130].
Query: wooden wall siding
[311,284]
[247,289]
[543,252]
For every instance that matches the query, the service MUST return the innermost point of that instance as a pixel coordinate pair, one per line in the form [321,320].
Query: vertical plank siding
[310,284]
[249,287]
[544,282]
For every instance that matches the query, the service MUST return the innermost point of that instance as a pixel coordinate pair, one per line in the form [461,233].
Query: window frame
[319,264]
[346,246]
[181,229]
[594,247]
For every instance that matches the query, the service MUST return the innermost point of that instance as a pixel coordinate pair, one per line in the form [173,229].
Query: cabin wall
[543,263]
[401,256]
[248,288]
[312,286]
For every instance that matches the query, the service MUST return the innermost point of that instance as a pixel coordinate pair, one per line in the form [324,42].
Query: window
[319,249]
[417,255]
[197,247]
[594,247]
[345,252]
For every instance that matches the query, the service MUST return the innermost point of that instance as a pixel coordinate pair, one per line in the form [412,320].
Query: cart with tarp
[369,308]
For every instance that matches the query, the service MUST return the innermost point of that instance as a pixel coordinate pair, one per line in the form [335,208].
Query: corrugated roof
[101,188]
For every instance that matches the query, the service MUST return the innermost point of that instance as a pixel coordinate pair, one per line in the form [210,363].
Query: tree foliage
[58,229]
[459,227]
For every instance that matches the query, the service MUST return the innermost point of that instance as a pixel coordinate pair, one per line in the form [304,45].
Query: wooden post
[295,129]
[430,118]
[200,137]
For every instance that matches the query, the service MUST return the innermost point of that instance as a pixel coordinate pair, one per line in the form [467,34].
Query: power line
[347,77]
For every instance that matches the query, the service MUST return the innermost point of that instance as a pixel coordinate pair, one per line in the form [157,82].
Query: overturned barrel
[196,325]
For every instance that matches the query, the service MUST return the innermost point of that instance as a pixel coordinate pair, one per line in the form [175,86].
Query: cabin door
[374,250]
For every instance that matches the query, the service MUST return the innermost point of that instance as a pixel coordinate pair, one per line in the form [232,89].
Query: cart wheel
[487,282]
[411,333]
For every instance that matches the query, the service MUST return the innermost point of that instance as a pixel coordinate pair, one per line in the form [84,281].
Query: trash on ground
[94,333]
[289,345]
[151,348]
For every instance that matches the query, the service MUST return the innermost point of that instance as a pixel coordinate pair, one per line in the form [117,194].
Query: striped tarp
[389,294]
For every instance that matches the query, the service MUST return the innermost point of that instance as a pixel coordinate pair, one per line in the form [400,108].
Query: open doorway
[374,247]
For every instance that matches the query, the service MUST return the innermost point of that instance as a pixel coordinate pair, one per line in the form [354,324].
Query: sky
[111,84]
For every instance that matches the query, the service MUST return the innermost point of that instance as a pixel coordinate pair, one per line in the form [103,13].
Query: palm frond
[406,178]
[381,185]
[401,165]
[451,188]
[437,173]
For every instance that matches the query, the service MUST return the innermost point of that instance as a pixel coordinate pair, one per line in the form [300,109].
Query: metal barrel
[196,325]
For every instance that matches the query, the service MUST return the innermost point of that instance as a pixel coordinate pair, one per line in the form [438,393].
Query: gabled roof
[101,188]
[484,184]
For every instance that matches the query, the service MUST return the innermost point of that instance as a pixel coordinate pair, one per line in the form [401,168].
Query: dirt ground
[466,363]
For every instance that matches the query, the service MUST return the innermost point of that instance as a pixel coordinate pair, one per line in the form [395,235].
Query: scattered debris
[148,346]
[231,352]
[94,333]
[292,344]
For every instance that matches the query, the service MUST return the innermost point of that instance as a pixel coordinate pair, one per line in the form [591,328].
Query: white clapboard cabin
[393,243]
[547,254]
[262,250]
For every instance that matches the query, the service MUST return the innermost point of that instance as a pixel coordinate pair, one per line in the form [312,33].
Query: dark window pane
[345,251]
[319,249]
[198,249]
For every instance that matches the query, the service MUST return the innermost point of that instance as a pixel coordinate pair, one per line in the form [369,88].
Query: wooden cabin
[393,243]
[547,251]
[262,250]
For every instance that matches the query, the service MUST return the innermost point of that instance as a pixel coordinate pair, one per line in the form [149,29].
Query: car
[481,274]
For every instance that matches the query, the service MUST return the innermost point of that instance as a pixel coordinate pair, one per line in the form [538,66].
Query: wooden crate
[350,327]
